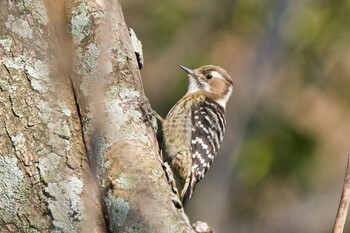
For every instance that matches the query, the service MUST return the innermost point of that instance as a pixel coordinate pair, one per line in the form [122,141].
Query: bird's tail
[188,190]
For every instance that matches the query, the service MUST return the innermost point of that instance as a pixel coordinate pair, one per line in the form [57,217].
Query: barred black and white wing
[208,121]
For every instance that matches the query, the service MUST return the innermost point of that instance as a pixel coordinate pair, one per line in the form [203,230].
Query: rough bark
[43,166]
[121,142]
[72,108]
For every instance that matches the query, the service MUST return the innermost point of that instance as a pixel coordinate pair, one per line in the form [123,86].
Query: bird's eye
[209,76]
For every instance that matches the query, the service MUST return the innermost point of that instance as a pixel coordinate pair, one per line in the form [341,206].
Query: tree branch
[123,150]
[344,202]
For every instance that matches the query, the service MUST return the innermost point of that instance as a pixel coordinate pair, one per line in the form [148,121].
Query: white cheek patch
[195,85]
[206,86]
[224,100]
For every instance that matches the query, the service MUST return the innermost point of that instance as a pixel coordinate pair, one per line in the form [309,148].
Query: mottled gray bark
[71,109]
[43,166]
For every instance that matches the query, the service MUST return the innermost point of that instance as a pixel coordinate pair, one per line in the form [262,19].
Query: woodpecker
[194,128]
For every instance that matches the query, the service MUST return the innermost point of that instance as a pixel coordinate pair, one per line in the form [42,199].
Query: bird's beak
[187,70]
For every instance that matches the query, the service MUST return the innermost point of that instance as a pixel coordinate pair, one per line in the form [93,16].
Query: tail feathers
[188,190]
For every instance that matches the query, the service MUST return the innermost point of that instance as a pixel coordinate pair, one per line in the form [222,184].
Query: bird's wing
[208,121]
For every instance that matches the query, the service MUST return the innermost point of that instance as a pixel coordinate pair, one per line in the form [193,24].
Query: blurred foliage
[273,152]
[162,20]
[272,149]
[166,23]
[252,16]
[317,40]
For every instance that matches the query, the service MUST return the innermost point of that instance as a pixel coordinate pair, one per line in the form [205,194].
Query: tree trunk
[78,151]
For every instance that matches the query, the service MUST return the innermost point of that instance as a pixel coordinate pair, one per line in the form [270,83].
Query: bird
[194,127]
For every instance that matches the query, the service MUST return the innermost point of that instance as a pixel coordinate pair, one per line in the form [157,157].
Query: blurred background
[282,163]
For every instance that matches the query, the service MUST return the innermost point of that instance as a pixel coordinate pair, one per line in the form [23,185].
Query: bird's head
[211,79]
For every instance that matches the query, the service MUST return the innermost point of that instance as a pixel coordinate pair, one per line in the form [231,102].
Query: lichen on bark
[39,131]
[54,119]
